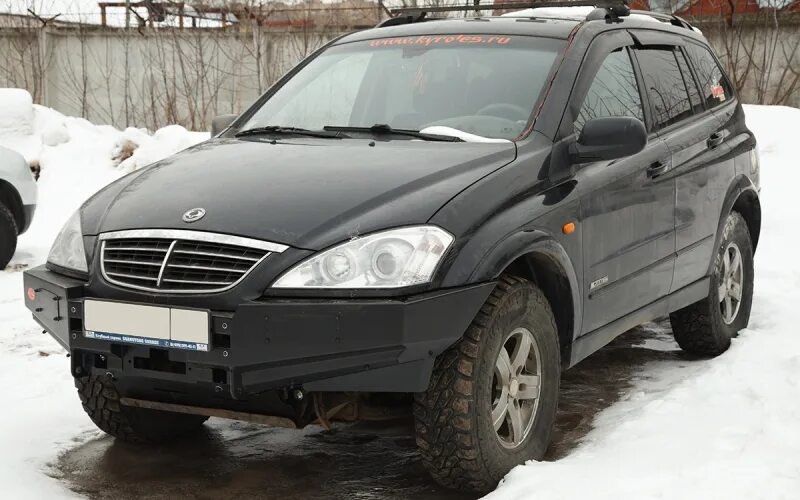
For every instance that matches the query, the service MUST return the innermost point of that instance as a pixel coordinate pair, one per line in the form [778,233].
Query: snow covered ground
[722,428]
[40,414]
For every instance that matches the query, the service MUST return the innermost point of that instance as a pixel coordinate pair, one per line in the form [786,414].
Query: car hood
[304,193]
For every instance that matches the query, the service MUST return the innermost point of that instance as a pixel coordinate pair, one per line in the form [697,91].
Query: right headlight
[67,251]
[389,259]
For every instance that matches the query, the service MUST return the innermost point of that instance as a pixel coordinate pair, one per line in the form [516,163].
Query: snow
[16,116]
[464,136]
[573,13]
[720,428]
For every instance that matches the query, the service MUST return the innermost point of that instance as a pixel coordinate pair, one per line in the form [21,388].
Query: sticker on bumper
[146,341]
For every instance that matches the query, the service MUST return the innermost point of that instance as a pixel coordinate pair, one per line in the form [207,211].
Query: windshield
[486,85]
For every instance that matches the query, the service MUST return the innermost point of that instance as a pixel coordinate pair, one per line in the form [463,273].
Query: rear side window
[714,87]
[665,86]
[694,94]
[613,91]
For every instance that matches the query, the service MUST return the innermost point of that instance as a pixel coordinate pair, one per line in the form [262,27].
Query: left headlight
[390,259]
[67,251]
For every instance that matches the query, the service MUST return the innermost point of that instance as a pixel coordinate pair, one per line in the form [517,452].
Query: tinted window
[665,87]
[691,84]
[613,92]
[713,85]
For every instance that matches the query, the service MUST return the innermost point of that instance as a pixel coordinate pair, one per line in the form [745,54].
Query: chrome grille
[176,261]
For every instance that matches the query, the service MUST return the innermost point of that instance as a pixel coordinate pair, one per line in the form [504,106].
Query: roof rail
[610,10]
[667,18]
[405,15]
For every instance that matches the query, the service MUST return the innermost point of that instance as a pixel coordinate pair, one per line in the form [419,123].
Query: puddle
[355,461]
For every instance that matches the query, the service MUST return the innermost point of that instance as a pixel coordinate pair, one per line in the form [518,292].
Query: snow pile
[76,159]
[721,428]
[151,148]
[16,112]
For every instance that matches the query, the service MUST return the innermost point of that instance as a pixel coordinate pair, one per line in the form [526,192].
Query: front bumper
[362,345]
[28,211]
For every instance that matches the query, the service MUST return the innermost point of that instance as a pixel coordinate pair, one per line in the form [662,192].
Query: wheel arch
[749,205]
[12,200]
[536,256]
[742,197]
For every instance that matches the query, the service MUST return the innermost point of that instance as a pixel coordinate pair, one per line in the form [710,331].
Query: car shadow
[364,460]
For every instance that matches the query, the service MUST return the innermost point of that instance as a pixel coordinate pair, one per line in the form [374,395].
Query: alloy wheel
[516,387]
[731,281]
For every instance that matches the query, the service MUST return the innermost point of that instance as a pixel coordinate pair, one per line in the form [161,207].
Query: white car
[17,201]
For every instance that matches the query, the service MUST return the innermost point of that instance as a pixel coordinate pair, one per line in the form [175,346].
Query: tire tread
[446,438]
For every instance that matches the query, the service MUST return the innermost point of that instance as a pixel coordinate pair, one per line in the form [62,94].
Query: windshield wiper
[383,129]
[277,129]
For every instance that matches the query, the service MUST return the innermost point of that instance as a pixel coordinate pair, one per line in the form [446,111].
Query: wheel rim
[516,387]
[731,282]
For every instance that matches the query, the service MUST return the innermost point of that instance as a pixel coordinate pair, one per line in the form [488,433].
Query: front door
[627,205]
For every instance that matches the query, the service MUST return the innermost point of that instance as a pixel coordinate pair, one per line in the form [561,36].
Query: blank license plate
[146,325]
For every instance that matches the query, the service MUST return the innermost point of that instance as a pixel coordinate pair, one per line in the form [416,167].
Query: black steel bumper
[369,345]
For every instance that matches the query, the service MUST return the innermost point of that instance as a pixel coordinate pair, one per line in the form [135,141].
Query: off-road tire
[455,435]
[8,236]
[700,328]
[100,400]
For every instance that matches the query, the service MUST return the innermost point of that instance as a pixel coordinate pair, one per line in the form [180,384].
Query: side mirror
[608,139]
[220,123]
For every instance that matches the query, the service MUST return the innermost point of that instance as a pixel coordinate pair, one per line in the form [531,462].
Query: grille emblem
[194,215]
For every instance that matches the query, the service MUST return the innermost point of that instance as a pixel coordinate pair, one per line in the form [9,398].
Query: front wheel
[492,397]
[101,401]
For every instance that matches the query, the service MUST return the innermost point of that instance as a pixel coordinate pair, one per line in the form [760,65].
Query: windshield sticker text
[427,40]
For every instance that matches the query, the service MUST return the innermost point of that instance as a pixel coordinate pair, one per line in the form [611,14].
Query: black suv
[430,216]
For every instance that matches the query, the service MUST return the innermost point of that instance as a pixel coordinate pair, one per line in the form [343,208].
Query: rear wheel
[8,236]
[492,397]
[101,401]
[707,327]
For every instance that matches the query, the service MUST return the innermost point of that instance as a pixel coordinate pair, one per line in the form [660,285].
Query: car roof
[550,28]
[550,23]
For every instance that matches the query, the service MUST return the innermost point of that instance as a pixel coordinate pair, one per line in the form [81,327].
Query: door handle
[657,169]
[715,139]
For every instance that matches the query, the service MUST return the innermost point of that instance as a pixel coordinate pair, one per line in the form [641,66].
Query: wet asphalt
[352,461]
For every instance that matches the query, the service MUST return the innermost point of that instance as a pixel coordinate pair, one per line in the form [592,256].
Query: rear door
[627,210]
[683,117]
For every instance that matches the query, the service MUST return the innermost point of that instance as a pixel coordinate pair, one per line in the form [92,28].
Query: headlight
[389,259]
[67,250]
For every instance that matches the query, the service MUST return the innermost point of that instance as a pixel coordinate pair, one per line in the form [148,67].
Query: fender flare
[539,242]
[741,185]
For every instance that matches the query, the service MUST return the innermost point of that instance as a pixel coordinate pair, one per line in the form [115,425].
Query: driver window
[614,91]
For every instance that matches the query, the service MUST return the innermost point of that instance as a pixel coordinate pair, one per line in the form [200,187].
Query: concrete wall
[154,78]
[762,60]
[150,79]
